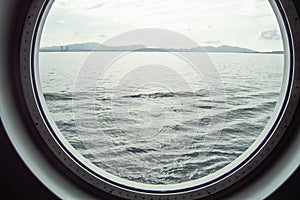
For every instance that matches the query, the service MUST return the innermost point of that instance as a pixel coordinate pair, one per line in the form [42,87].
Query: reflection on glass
[151,115]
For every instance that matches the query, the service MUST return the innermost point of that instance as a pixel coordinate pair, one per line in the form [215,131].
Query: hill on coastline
[92,46]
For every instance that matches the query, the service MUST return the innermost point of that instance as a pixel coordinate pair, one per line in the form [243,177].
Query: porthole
[85,166]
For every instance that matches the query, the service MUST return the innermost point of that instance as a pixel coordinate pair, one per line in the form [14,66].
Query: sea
[156,117]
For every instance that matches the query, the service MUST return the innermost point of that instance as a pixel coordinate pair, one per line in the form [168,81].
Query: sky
[245,23]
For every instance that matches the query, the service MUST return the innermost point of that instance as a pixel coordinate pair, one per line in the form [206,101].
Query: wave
[62,96]
[154,95]
[202,106]
[250,111]
[66,96]
[138,150]
[58,96]
[266,94]
[175,127]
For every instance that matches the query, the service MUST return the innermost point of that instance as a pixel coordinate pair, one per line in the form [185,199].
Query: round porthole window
[160,99]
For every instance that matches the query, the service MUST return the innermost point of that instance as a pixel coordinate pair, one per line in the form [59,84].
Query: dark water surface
[152,133]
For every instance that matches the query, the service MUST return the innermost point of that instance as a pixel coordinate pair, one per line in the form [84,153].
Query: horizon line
[145,48]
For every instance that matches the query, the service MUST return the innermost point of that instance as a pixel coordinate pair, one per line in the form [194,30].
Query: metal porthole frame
[35,17]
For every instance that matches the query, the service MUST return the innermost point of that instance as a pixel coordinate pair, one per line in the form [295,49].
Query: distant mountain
[92,46]
[227,48]
[273,52]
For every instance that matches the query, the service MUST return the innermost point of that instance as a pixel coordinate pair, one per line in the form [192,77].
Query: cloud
[62,3]
[272,34]
[99,5]
[212,42]
[61,21]
[102,36]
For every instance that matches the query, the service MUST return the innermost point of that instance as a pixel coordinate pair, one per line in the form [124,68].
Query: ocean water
[151,117]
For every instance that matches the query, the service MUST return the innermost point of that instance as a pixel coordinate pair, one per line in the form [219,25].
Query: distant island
[92,46]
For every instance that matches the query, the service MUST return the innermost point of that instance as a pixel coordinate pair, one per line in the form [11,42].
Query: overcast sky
[246,23]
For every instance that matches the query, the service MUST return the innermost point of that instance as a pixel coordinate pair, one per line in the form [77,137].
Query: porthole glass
[147,114]
[160,96]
